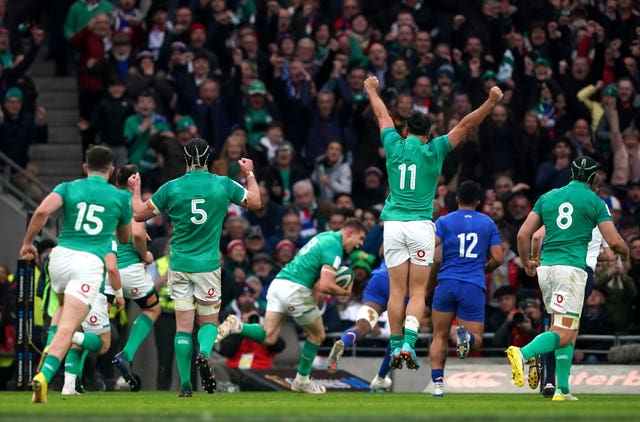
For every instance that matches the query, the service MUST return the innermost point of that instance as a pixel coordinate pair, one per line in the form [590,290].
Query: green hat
[489,74]
[257,87]
[610,89]
[14,92]
[362,259]
[185,122]
[541,61]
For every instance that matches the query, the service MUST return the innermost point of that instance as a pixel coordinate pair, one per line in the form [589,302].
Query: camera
[25,28]
[254,319]
[520,317]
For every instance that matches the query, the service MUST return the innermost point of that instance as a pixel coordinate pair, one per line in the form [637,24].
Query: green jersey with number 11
[569,215]
[93,209]
[322,249]
[413,169]
[197,205]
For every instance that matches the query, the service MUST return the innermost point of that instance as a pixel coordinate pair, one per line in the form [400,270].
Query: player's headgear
[584,169]
[196,153]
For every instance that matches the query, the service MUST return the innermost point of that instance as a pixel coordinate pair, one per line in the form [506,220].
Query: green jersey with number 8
[93,209]
[320,250]
[413,169]
[569,215]
[197,204]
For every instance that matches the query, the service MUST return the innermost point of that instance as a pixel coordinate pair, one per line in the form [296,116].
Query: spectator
[235,228]
[269,216]
[89,41]
[501,141]
[268,144]
[372,192]
[626,151]
[554,173]
[242,352]
[8,291]
[332,174]
[108,120]
[521,325]
[291,231]
[186,83]
[506,274]
[227,165]
[11,74]
[257,112]
[120,59]
[595,319]
[81,13]
[7,347]
[282,175]
[138,128]
[210,115]
[304,203]
[171,149]
[145,76]
[254,241]
[326,126]
[18,130]
[262,266]
[284,253]
[620,292]
[236,261]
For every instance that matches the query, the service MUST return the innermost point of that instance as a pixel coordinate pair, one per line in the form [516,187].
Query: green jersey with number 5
[197,204]
[93,209]
[569,215]
[320,250]
[413,169]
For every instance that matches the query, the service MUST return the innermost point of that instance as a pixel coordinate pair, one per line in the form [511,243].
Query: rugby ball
[344,277]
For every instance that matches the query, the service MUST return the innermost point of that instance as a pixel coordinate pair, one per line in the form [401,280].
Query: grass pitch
[256,407]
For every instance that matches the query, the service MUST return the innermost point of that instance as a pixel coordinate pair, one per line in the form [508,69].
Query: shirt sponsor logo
[93,319]
[135,291]
[85,288]
[211,292]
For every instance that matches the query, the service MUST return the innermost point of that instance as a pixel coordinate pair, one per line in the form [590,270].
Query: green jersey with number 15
[413,169]
[569,215]
[93,209]
[197,205]
[322,249]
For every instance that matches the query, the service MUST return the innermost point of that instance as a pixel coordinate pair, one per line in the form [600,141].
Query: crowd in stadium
[281,82]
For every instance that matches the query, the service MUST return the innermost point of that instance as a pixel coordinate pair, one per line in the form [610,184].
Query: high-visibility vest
[166,303]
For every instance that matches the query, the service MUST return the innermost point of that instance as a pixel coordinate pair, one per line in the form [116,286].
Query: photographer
[521,324]
[241,352]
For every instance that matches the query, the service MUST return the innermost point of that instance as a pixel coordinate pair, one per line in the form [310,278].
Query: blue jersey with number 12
[465,237]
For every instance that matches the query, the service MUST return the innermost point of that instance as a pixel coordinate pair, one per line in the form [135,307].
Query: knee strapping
[184,304]
[369,314]
[208,309]
[575,321]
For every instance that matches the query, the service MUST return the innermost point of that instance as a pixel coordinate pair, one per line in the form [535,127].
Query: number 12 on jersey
[403,175]
[468,242]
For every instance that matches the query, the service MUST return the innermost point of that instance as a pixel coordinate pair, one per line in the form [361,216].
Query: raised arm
[377,105]
[252,201]
[473,119]
[142,211]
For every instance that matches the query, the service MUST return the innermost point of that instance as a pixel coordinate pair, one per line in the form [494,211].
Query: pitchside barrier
[24,324]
